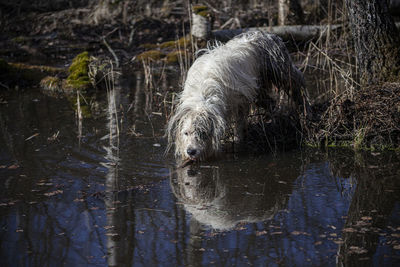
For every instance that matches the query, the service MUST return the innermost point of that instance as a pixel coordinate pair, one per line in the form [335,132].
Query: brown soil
[58,36]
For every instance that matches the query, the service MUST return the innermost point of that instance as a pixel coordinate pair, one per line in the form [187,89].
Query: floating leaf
[112,234]
[357,250]
[299,233]
[349,230]
[366,218]
[14,166]
[258,233]
[56,192]
[276,233]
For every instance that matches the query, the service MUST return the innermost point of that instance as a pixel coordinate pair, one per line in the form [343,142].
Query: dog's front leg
[240,128]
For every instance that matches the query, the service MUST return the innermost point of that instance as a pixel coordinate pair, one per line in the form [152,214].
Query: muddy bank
[368,118]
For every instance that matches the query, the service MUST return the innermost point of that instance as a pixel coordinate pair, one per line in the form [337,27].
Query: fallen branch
[294,32]
[288,32]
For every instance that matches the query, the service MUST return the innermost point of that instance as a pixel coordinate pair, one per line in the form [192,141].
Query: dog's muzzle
[192,153]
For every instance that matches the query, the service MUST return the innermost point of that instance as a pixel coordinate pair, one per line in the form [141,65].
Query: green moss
[148,46]
[25,75]
[84,106]
[181,43]
[79,64]
[358,144]
[184,41]
[21,67]
[201,10]
[86,111]
[173,57]
[150,55]
[204,13]
[169,44]
[78,72]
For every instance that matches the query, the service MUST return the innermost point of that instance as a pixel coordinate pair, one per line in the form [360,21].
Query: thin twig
[111,51]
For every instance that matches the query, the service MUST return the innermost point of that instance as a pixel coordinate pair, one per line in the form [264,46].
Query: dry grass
[343,113]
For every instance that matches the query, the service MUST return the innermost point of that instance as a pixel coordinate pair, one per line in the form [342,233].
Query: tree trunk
[376,40]
[290,12]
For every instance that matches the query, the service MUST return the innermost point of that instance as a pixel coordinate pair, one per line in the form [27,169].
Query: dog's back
[251,64]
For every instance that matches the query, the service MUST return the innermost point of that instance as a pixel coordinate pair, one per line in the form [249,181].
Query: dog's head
[196,136]
[195,132]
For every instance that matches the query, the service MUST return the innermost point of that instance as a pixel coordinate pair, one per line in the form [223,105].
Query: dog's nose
[191,152]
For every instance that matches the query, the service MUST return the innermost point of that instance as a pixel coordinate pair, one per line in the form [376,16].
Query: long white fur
[222,83]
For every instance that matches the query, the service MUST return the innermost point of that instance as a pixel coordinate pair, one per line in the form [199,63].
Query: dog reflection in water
[221,201]
[221,85]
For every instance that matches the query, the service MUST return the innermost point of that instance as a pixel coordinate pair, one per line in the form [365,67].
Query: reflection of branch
[5,86]
[151,124]
[153,210]
[372,202]
[80,117]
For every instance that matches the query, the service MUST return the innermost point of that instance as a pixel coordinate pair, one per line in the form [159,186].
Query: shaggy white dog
[220,86]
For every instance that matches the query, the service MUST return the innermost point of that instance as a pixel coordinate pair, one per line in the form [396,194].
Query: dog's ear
[211,120]
[171,129]
[216,130]
[174,126]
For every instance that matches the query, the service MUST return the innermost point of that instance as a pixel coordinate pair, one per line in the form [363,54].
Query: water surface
[100,192]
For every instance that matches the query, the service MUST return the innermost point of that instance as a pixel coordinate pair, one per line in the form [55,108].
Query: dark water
[100,192]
